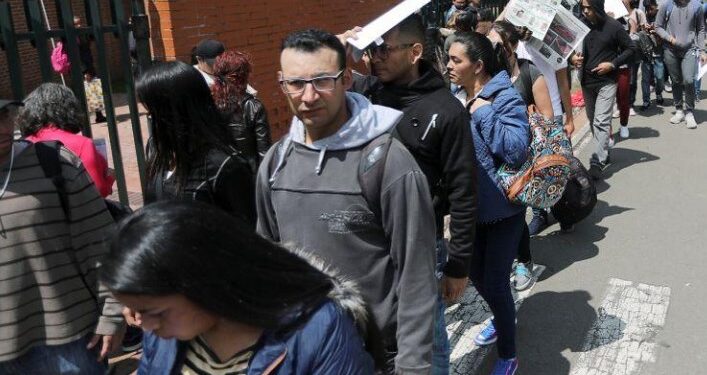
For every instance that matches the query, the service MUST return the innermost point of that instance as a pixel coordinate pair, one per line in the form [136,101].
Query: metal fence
[41,37]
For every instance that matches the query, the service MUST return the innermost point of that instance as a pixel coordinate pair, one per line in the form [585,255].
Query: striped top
[49,291]
[201,360]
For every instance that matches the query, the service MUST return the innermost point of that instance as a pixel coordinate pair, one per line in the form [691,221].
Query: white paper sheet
[616,7]
[565,34]
[536,15]
[702,71]
[384,23]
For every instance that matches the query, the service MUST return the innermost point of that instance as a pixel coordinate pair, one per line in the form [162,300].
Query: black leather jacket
[250,130]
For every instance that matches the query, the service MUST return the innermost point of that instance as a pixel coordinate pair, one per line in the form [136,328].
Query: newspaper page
[565,33]
[536,15]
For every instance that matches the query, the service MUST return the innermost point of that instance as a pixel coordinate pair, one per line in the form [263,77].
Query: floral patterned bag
[541,180]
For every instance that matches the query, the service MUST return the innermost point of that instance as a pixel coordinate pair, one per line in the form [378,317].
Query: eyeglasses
[383,51]
[294,86]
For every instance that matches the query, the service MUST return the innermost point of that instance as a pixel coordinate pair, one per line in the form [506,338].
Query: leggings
[623,92]
[496,245]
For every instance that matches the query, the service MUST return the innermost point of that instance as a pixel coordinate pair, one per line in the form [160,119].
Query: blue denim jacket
[328,343]
[501,135]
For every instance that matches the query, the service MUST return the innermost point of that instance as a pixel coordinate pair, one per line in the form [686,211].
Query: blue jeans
[71,358]
[495,247]
[440,346]
[650,70]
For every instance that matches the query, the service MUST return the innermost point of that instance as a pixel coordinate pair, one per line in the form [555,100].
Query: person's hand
[132,318]
[569,127]
[478,103]
[577,60]
[453,288]
[703,58]
[603,68]
[109,343]
[353,34]
[672,40]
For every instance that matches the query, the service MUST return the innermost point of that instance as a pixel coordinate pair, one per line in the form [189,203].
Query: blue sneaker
[487,336]
[505,367]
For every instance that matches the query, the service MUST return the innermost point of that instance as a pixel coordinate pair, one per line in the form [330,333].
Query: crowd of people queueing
[323,253]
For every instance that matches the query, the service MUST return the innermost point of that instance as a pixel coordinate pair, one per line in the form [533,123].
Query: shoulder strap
[48,155]
[371,169]
[275,159]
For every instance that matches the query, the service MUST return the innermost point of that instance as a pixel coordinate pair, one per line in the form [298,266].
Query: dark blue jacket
[501,135]
[328,343]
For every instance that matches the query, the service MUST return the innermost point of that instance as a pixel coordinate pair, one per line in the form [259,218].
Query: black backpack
[580,195]
[646,46]
[370,171]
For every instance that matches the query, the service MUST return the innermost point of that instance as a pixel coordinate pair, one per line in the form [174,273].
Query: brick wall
[28,55]
[255,27]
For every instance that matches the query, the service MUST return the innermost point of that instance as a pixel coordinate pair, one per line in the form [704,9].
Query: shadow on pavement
[622,158]
[557,251]
[640,132]
[550,323]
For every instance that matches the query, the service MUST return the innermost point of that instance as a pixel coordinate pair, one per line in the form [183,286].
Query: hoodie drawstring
[318,169]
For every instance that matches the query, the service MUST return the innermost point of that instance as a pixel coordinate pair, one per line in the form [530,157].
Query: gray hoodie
[312,200]
[685,22]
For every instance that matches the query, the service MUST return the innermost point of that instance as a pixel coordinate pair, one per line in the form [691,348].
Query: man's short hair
[312,40]
[209,49]
[486,15]
[412,28]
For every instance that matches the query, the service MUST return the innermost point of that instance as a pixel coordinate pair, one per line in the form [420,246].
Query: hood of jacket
[345,292]
[367,122]
[401,96]
[598,7]
[501,81]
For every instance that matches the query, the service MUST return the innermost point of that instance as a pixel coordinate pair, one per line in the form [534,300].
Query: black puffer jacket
[250,130]
[435,129]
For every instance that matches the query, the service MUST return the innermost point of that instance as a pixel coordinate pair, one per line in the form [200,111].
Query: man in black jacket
[606,47]
[435,129]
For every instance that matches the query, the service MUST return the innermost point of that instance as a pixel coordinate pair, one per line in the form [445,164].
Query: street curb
[580,138]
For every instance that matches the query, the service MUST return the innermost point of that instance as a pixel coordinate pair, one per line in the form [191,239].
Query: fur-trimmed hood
[345,292]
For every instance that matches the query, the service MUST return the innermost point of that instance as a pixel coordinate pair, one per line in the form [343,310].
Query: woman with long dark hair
[499,127]
[189,154]
[247,119]
[214,296]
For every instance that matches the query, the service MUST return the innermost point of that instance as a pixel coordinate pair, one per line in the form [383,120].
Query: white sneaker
[616,114]
[677,117]
[623,132]
[690,120]
[611,142]
[668,88]
[631,112]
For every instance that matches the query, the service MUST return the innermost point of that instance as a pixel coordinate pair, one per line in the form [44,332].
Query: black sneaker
[596,170]
[132,340]
[659,100]
[645,106]
[538,223]
[100,118]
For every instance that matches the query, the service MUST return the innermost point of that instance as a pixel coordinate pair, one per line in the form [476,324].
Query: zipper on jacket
[432,124]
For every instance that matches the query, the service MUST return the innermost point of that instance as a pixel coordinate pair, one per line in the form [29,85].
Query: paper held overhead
[616,8]
[385,22]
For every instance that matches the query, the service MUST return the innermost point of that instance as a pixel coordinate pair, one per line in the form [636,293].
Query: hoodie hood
[498,83]
[598,7]
[402,96]
[367,122]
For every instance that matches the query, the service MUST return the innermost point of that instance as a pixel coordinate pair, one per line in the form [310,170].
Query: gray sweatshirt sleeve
[660,26]
[408,220]
[266,225]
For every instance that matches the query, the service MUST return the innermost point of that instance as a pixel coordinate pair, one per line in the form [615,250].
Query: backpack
[60,60]
[646,46]
[370,169]
[540,181]
[49,159]
[579,198]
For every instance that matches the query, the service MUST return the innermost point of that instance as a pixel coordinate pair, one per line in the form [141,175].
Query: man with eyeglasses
[337,185]
[435,129]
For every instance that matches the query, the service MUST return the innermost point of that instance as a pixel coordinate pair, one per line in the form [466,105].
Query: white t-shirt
[548,72]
